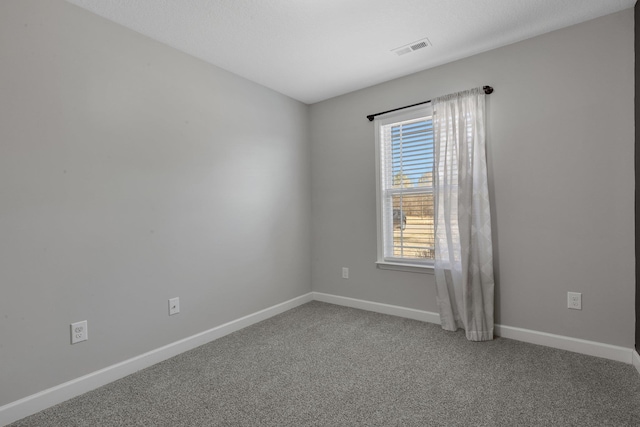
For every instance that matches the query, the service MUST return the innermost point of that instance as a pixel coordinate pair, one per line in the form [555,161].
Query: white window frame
[392,263]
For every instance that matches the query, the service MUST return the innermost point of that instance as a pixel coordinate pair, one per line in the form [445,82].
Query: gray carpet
[326,365]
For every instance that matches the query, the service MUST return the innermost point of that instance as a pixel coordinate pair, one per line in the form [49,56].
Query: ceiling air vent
[411,47]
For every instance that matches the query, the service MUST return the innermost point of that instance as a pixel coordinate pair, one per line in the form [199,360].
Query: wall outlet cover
[174,306]
[79,332]
[574,300]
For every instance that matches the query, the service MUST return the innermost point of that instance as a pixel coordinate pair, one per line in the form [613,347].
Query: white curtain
[463,260]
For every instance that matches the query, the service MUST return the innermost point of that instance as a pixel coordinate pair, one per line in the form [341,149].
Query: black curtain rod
[487,90]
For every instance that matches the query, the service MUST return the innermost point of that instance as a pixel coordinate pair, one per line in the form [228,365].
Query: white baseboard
[591,348]
[394,310]
[52,396]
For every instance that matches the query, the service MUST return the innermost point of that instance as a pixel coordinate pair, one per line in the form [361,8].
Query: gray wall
[560,153]
[131,173]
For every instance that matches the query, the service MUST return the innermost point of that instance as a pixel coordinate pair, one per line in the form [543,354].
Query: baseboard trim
[590,348]
[394,310]
[37,402]
[576,345]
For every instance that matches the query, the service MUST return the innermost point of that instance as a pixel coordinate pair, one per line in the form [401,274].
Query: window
[404,160]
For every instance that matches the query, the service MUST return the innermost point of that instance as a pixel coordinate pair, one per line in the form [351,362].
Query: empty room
[319,213]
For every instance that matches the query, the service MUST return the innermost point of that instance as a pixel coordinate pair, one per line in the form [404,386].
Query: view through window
[406,186]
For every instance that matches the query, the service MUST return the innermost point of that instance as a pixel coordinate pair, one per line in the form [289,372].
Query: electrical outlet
[574,300]
[174,306]
[345,272]
[79,332]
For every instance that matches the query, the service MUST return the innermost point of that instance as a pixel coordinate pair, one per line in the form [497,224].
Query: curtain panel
[463,247]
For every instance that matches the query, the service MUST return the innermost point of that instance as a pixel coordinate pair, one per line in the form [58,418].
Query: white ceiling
[312,50]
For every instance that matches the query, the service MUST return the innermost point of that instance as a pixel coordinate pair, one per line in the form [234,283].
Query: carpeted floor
[326,365]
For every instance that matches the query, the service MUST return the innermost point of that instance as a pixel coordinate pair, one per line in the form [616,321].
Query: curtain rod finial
[487,89]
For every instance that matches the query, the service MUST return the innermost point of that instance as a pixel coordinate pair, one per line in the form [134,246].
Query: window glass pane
[413,233]
[412,153]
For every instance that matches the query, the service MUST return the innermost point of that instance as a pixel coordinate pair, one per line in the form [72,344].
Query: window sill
[412,268]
